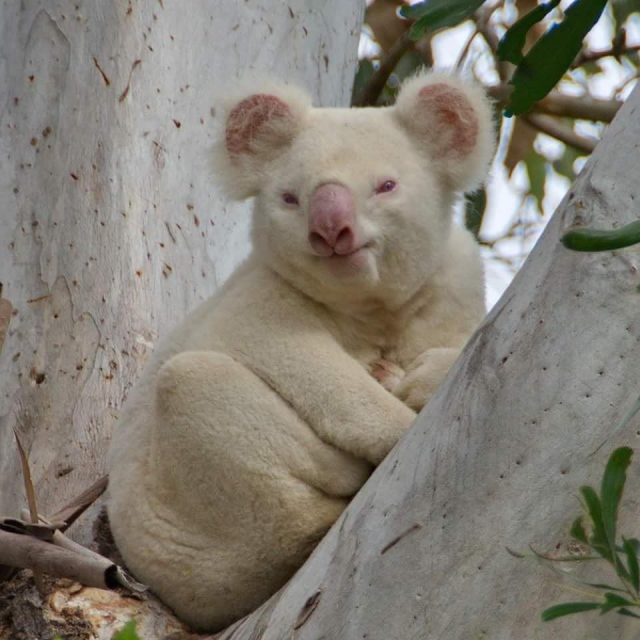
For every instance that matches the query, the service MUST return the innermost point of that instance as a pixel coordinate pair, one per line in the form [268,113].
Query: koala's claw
[388,374]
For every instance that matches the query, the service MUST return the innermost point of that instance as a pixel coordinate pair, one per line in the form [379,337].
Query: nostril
[345,241]
[319,245]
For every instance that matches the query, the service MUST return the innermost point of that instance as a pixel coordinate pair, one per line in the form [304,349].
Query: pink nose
[332,221]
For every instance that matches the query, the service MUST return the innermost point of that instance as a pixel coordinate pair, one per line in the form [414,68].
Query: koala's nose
[332,220]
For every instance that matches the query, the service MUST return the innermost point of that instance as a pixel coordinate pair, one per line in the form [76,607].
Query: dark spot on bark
[74,176]
[102,73]
[177,123]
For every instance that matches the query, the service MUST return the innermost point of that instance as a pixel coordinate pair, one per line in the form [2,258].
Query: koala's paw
[417,387]
[388,374]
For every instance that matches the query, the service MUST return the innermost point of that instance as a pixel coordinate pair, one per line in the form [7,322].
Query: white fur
[259,417]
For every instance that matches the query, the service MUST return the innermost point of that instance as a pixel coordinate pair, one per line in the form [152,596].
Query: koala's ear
[452,121]
[258,127]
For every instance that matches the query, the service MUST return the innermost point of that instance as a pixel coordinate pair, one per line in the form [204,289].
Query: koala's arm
[425,375]
[333,393]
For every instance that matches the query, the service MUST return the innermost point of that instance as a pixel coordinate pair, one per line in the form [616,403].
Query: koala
[263,413]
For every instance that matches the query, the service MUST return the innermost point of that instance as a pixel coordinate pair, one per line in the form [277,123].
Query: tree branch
[558,104]
[593,56]
[374,87]
[559,131]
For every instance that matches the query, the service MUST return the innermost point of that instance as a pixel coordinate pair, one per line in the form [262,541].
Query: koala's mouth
[348,263]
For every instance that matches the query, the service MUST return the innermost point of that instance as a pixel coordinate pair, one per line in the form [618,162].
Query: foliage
[128,632]
[596,240]
[551,56]
[597,530]
[438,14]
[543,53]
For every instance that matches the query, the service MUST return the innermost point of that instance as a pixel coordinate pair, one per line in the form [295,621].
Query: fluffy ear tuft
[453,122]
[258,125]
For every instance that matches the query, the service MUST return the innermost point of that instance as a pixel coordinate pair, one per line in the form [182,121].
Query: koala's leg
[247,486]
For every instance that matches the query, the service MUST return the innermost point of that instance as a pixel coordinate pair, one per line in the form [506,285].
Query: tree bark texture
[496,459]
[111,227]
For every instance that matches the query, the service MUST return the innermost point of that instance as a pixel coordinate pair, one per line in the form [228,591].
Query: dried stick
[78,505]
[60,557]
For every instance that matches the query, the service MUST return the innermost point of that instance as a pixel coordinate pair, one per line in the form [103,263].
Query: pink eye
[386,186]
[290,199]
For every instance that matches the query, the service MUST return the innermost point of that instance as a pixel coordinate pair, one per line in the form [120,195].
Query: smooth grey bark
[111,227]
[497,457]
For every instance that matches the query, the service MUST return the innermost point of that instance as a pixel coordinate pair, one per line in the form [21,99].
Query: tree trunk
[496,459]
[111,228]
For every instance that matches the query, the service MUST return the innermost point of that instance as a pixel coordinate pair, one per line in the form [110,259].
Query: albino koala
[266,410]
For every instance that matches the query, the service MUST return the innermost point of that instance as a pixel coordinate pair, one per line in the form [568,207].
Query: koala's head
[355,205]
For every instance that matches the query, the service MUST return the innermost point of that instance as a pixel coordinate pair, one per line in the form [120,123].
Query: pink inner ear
[454,112]
[248,117]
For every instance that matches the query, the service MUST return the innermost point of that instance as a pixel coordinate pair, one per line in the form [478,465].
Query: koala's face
[355,204]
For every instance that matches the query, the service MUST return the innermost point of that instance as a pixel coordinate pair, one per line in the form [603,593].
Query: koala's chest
[401,343]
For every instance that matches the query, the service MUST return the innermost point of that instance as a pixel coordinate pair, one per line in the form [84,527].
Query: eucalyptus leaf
[559,610]
[613,601]
[596,240]
[513,41]
[625,612]
[438,14]
[632,563]
[613,481]
[598,539]
[577,531]
[128,632]
[536,166]
[475,206]
[550,57]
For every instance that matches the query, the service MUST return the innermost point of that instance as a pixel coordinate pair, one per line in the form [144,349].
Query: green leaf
[632,563]
[577,531]
[550,57]
[595,240]
[615,476]
[598,537]
[128,632]
[363,75]
[513,41]
[567,608]
[564,164]
[475,206]
[536,166]
[438,14]
[626,612]
[613,601]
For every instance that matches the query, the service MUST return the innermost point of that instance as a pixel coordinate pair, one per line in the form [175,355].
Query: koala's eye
[290,200]
[386,186]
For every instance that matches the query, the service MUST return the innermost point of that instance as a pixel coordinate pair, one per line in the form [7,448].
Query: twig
[74,509]
[593,56]
[559,131]
[6,309]
[465,50]
[372,90]
[31,501]
[558,104]
[491,38]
